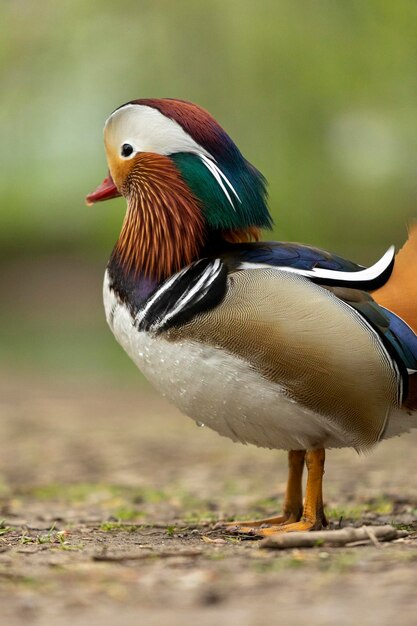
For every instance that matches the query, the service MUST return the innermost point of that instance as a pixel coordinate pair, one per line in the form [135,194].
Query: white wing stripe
[367,274]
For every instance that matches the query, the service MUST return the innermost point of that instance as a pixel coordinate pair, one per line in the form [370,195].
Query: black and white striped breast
[198,288]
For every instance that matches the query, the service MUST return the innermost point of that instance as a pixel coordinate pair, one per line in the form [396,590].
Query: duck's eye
[126,150]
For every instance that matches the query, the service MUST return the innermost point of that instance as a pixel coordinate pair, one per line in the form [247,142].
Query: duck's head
[185,181]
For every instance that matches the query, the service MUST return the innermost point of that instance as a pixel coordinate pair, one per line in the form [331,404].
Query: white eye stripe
[148,130]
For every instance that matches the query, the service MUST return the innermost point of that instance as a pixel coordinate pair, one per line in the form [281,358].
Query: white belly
[219,390]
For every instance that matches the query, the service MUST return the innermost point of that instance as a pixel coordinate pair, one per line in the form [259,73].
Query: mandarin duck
[280,345]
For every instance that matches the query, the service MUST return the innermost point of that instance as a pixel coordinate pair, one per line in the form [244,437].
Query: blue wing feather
[295,255]
[402,338]
[319,266]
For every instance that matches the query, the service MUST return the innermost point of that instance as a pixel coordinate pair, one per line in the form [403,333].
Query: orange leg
[313,517]
[293,503]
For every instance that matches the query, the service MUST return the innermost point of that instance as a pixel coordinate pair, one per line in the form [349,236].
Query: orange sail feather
[399,294]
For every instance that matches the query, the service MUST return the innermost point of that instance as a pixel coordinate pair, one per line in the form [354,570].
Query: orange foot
[293,505]
[312,516]
[248,526]
[303,525]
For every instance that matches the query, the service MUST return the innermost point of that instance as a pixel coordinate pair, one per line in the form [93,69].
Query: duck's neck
[134,287]
[163,231]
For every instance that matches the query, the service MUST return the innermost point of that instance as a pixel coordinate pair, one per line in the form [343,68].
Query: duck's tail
[399,294]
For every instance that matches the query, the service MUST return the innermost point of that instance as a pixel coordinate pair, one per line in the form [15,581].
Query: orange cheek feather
[119,168]
[112,185]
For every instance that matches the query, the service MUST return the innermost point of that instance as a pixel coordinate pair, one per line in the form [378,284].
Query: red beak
[105,191]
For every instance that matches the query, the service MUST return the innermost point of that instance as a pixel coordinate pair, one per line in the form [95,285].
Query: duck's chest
[215,388]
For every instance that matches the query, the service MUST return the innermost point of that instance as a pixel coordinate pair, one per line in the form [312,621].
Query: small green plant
[354,513]
[3,528]
[113,526]
[53,537]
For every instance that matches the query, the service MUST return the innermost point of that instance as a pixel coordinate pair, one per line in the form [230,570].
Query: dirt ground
[107,503]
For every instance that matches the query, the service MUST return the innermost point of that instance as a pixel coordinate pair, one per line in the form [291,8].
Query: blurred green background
[320,96]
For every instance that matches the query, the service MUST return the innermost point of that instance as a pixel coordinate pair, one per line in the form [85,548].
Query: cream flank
[228,394]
